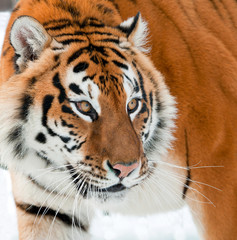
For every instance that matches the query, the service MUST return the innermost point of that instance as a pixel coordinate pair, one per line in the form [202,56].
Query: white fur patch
[140,35]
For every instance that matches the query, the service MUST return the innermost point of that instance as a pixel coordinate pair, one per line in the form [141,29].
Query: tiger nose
[122,170]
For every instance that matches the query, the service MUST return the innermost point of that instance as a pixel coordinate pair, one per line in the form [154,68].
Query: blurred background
[7,4]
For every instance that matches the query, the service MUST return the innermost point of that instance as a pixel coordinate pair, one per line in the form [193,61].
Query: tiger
[123,106]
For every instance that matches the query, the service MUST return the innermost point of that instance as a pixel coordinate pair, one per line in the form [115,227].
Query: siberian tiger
[88,121]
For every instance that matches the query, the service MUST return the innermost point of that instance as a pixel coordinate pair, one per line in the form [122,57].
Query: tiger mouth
[115,188]
[104,193]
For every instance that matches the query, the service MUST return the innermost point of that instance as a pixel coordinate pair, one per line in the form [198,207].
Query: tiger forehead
[109,79]
[103,65]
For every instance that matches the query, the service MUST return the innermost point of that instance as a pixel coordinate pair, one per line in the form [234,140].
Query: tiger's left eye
[133,105]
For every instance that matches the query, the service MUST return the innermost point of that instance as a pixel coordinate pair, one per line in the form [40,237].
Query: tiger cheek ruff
[88,122]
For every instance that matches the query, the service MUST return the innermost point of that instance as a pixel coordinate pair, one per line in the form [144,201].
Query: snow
[176,225]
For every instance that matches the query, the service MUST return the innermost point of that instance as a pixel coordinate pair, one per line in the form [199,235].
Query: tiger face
[93,113]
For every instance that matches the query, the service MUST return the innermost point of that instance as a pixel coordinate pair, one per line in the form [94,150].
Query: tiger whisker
[189,179]
[54,219]
[186,168]
[184,184]
[64,180]
[172,189]
[58,194]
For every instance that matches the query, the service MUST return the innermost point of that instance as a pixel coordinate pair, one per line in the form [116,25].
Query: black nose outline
[116,171]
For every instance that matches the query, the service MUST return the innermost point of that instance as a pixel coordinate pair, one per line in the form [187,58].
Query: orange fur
[194,47]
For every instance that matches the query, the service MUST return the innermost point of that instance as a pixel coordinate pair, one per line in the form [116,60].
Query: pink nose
[125,170]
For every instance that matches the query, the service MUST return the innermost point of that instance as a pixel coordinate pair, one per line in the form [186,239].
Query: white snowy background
[176,225]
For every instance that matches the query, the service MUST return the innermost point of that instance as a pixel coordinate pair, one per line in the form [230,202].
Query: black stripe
[151,100]
[27,101]
[43,156]
[15,137]
[68,8]
[65,124]
[112,40]
[79,33]
[81,143]
[74,56]
[118,54]
[57,48]
[95,59]
[15,134]
[120,65]
[66,219]
[128,78]
[95,24]
[47,103]
[89,49]
[18,150]
[161,124]
[68,41]
[59,27]
[88,77]
[99,49]
[57,21]
[75,88]
[188,178]
[99,33]
[65,139]
[80,67]
[144,109]
[56,82]
[142,85]
[32,82]
[55,66]
[66,109]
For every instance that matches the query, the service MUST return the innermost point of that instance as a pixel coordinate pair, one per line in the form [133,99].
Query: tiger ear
[28,38]
[136,30]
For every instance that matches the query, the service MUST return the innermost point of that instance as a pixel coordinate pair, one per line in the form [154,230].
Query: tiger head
[86,113]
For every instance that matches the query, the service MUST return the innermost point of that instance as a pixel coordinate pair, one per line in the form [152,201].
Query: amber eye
[84,107]
[133,105]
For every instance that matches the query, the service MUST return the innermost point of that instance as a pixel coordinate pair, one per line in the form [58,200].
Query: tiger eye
[132,105]
[84,106]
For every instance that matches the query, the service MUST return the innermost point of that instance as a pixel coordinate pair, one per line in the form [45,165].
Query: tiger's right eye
[84,107]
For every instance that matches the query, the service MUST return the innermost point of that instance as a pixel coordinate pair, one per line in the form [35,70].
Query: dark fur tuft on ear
[136,31]
[129,25]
